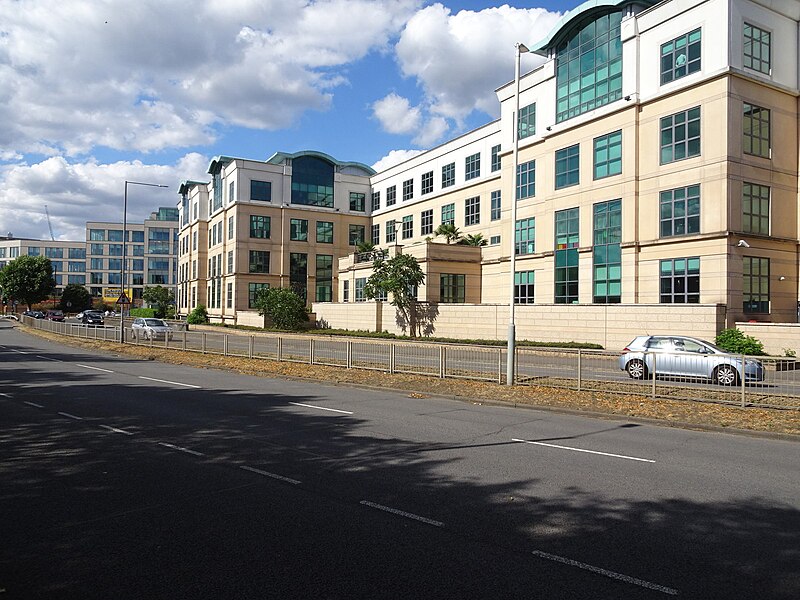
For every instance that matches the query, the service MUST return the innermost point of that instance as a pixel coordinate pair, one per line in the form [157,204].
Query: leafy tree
[285,308]
[27,279]
[474,239]
[75,298]
[398,276]
[198,316]
[734,340]
[365,246]
[161,297]
[449,231]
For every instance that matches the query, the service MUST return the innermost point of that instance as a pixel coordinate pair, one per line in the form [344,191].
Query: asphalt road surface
[124,478]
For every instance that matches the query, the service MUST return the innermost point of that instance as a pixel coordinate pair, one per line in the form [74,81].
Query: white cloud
[395,157]
[396,114]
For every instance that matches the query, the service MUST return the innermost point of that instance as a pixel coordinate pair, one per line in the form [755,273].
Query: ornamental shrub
[198,316]
[735,341]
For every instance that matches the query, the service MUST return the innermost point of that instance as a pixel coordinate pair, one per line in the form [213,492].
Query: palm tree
[449,231]
[474,239]
[365,246]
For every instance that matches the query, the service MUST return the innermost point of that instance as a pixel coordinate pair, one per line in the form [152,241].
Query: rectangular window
[755,285]
[755,208]
[194,240]
[391,232]
[680,281]
[496,206]
[526,180]
[230,262]
[566,256]
[376,235]
[607,253]
[472,166]
[34,251]
[230,228]
[376,201]
[115,249]
[567,166]
[523,287]
[680,57]
[756,131]
[680,211]
[356,234]
[358,202]
[408,227]
[76,267]
[361,283]
[298,230]
[259,227]
[229,294]
[261,191]
[77,253]
[259,261]
[408,189]
[345,291]
[449,175]
[96,264]
[608,155]
[525,236]
[96,249]
[324,232]
[298,274]
[680,135]
[114,235]
[252,291]
[449,214]
[231,198]
[526,123]
[97,235]
[496,158]
[427,183]
[757,48]
[494,240]
[426,222]
[452,287]
[391,195]
[324,292]
[472,211]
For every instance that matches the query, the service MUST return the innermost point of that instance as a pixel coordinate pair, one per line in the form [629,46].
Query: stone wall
[776,337]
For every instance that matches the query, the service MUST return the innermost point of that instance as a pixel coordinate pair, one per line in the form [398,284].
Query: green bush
[198,316]
[145,313]
[283,307]
[735,341]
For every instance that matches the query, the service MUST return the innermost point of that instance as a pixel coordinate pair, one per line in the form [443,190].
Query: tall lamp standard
[125,247]
[511,353]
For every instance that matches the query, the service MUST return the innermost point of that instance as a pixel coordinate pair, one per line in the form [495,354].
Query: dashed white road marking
[402,513]
[94,368]
[115,430]
[647,460]
[32,404]
[179,448]
[49,358]
[5,395]
[607,573]
[268,474]
[18,351]
[344,412]
[171,382]
[65,414]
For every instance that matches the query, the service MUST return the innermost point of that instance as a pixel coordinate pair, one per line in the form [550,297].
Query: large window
[324,232]
[566,256]
[606,253]
[358,202]
[526,123]
[259,261]
[298,273]
[252,291]
[525,236]
[608,155]
[312,181]
[77,253]
[680,211]
[680,135]
[680,281]
[589,67]
[526,180]
[426,222]
[391,195]
[449,175]
[472,166]
[757,48]
[261,191]
[427,183]
[452,287]
[680,57]
[756,130]
[97,235]
[755,208]
[496,158]
[391,231]
[496,206]
[755,285]
[472,211]
[449,214]
[376,235]
[408,189]
[568,166]
[324,278]
[361,283]
[408,227]
[298,230]
[523,287]
[376,201]
[356,234]
[259,226]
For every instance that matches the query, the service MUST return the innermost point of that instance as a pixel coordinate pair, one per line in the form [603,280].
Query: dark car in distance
[93,318]
[54,315]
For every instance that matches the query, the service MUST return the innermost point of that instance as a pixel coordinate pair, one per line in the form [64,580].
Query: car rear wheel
[637,369]
[726,375]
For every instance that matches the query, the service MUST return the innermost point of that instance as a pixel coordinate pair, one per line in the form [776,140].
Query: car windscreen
[155,323]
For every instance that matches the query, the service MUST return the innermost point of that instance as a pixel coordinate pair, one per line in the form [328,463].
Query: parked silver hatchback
[681,356]
[151,329]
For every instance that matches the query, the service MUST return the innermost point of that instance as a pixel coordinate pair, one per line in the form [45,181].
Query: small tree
[27,279]
[449,231]
[75,298]
[159,296]
[198,316]
[282,306]
[365,246]
[398,276]
[474,239]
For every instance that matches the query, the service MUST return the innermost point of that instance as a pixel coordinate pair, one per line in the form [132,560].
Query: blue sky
[99,92]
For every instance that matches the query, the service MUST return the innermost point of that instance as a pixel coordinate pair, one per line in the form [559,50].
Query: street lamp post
[124,249]
[511,353]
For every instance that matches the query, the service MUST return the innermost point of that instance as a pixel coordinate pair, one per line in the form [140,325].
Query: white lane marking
[402,513]
[344,412]
[179,448]
[268,474]
[115,430]
[49,358]
[6,395]
[18,351]
[647,460]
[94,368]
[71,416]
[607,573]
[171,382]
[31,403]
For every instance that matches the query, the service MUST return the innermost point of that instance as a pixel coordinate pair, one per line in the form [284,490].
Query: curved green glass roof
[280,157]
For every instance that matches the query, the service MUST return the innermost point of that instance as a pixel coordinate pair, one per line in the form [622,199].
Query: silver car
[681,356]
[150,329]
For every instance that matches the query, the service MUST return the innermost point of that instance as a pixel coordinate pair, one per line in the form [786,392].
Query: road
[133,479]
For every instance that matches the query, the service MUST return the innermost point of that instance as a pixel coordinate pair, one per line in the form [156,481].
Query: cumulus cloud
[395,157]
[396,114]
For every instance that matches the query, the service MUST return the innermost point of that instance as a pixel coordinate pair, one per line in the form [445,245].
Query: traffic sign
[123,299]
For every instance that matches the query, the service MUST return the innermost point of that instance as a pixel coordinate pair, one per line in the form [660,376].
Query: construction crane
[49,226]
